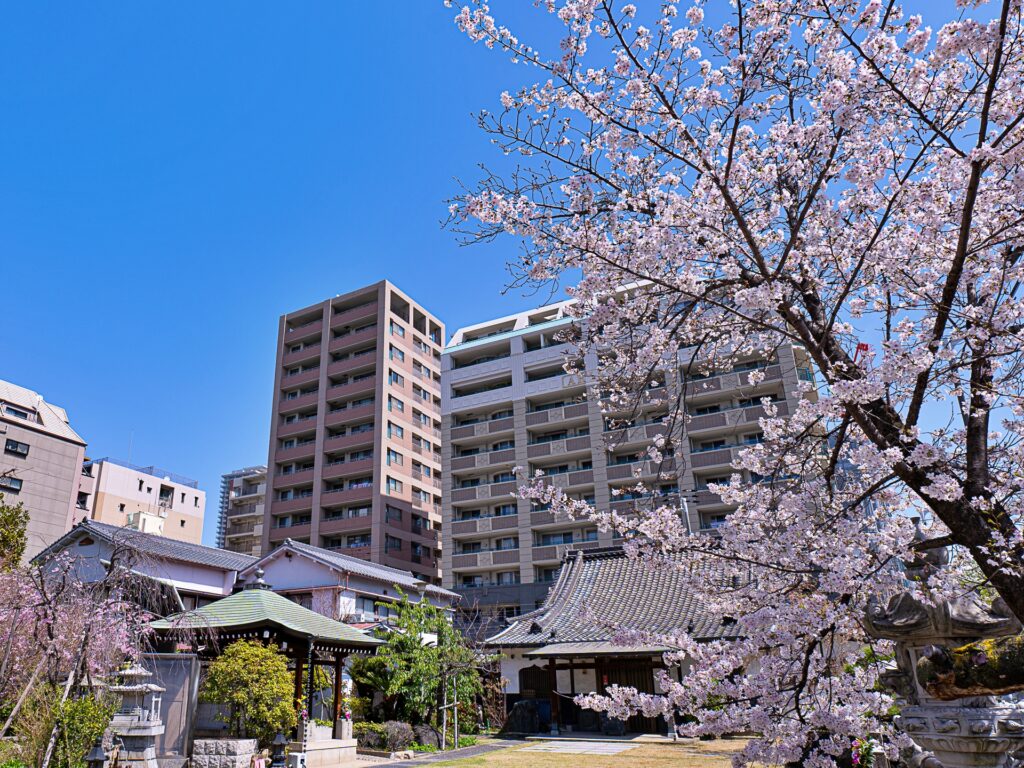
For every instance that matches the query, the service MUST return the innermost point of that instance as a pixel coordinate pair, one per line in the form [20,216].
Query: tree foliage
[13,538]
[834,179]
[424,653]
[252,680]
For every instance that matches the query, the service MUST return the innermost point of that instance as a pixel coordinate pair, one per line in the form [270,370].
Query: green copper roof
[261,606]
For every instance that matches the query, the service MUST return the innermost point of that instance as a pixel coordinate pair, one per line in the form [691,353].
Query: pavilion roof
[253,608]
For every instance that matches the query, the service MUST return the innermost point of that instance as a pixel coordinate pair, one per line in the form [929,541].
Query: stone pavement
[492,745]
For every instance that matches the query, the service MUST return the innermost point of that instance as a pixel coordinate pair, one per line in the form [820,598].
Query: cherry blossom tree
[717,182]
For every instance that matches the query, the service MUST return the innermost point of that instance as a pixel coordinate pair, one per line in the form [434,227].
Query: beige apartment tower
[507,402]
[147,499]
[41,465]
[355,458]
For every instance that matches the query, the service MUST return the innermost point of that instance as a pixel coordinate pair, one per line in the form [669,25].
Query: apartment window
[392,544]
[394,457]
[471,482]
[711,445]
[17,413]
[754,439]
[182,498]
[395,431]
[120,507]
[548,539]
[397,330]
[547,575]
[395,353]
[507,577]
[503,477]
[501,414]
[503,445]
[392,513]
[504,510]
[360,455]
[195,502]
[362,540]
[16,448]
[704,410]
[10,484]
[182,523]
[471,547]
[509,542]
[290,443]
[394,485]
[395,404]
[140,484]
[396,378]
[473,581]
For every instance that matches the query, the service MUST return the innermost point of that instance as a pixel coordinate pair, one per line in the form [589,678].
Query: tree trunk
[24,695]
[985,668]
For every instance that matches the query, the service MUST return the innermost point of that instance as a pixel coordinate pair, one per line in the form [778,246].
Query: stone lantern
[975,732]
[137,723]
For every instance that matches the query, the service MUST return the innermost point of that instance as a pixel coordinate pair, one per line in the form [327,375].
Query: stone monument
[137,723]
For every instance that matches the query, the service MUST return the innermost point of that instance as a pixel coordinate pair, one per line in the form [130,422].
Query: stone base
[223,753]
[967,737]
[325,754]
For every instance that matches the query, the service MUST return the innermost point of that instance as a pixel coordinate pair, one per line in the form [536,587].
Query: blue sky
[174,176]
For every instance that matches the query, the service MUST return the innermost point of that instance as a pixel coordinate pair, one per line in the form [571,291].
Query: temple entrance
[637,674]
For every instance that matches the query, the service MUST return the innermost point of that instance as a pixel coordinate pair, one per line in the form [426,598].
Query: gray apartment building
[242,507]
[507,402]
[41,465]
[355,459]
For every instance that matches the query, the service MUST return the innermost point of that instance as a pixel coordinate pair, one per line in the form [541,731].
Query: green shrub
[81,721]
[414,748]
[253,682]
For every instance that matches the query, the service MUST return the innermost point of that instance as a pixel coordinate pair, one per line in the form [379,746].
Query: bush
[369,735]
[398,735]
[253,681]
[81,722]
[414,748]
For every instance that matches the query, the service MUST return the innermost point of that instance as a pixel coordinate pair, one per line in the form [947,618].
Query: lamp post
[96,757]
[277,753]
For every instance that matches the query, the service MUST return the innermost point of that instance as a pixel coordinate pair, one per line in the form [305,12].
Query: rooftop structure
[146,498]
[41,463]
[354,461]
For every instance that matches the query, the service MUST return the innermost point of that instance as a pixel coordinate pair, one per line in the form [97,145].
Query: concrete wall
[118,498]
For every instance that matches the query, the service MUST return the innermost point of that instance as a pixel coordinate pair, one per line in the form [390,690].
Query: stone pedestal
[137,724]
[223,753]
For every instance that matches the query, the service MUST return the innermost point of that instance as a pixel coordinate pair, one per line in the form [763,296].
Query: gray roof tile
[601,592]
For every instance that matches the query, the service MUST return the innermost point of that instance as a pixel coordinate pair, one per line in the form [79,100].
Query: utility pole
[455,690]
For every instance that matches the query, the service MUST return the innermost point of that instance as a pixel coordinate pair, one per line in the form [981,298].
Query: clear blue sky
[174,176]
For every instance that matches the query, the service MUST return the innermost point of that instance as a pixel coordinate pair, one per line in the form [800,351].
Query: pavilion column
[556,718]
[297,703]
[339,662]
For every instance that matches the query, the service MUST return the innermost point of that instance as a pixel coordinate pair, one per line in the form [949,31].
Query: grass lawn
[696,754]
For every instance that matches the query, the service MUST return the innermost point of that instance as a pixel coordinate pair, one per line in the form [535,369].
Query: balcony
[704,498]
[361,551]
[296,452]
[303,355]
[301,504]
[486,559]
[642,433]
[302,377]
[483,429]
[555,415]
[646,469]
[570,479]
[344,525]
[341,343]
[300,426]
[733,417]
[243,529]
[352,363]
[347,496]
[555,552]
[290,404]
[484,459]
[348,468]
[345,442]
[547,518]
[352,388]
[291,479]
[492,491]
[619,504]
[485,525]
[724,382]
[718,457]
[422,478]
[558,447]
[352,315]
[304,331]
[346,415]
[253,490]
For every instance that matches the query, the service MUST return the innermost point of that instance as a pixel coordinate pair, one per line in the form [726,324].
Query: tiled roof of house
[254,607]
[383,573]
[46,417]
[160,547]
[601,592]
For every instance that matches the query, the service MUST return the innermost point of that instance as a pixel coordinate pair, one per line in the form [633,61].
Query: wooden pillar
[297,703]
[556,719]
[339,662]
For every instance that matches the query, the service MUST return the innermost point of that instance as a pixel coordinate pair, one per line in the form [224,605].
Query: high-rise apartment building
[147,499]
[41,464]
[242,507]
[355,462]
[507,402]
